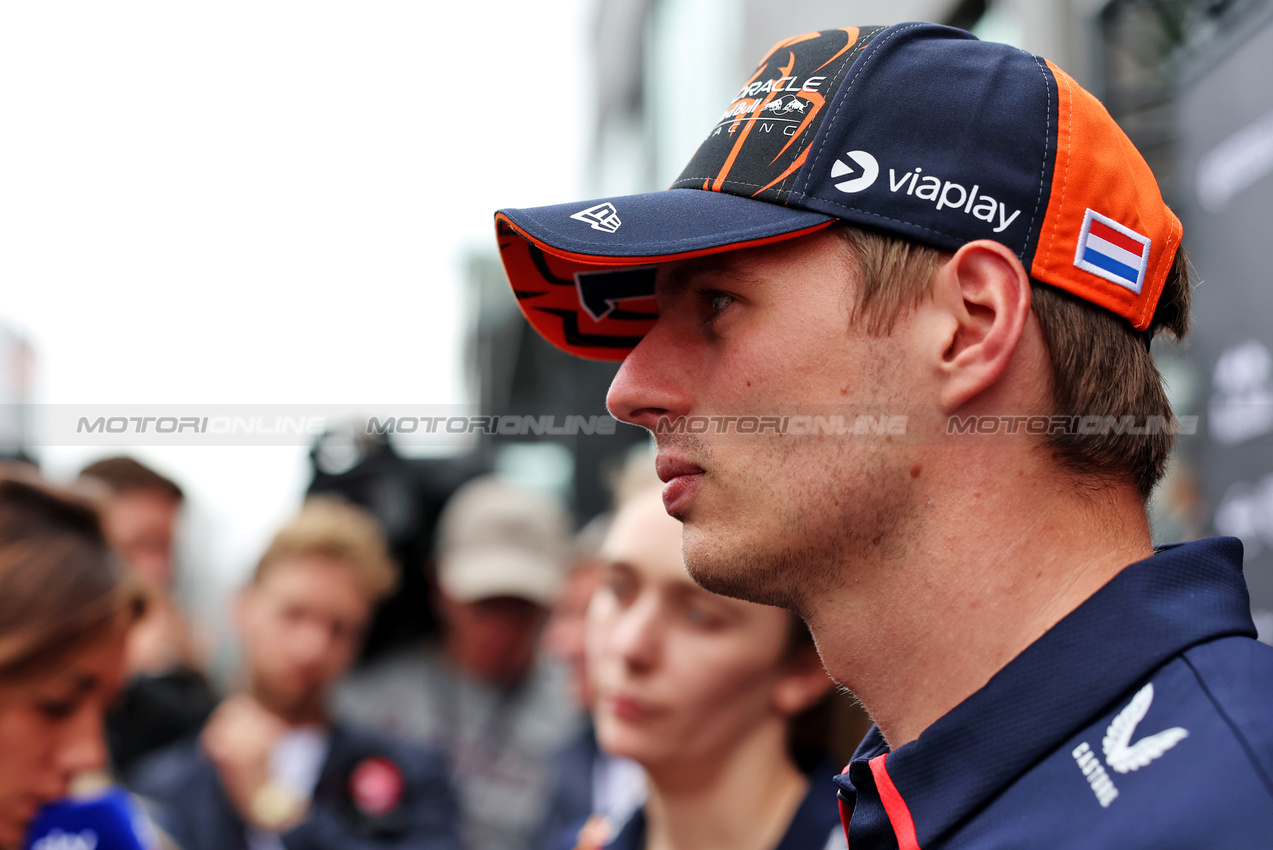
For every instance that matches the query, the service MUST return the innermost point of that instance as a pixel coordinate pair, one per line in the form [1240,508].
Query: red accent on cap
[551,302]
[376,786]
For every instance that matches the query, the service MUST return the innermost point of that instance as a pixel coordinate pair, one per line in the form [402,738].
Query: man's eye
[715,302]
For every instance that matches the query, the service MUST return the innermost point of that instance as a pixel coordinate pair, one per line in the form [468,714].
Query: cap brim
[489,572]
[583,273]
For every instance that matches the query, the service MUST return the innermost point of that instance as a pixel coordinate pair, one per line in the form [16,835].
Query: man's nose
[653,381]
[314,640]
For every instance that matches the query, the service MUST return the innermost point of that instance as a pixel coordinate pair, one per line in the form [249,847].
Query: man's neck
[1002,555]
[457,657]
[743,800]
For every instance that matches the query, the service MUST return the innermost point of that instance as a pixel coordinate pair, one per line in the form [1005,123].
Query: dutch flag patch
[1110,250]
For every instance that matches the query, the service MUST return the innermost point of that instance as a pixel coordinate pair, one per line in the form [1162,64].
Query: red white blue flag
[1113,251]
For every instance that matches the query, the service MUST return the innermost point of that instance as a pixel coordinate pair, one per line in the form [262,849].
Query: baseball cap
[918,130]
[497,539]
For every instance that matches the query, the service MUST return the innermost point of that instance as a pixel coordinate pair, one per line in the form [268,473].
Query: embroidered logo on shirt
[1120,753]
[1094,772]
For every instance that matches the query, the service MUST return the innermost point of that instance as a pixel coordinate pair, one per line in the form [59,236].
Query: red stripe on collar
[894,806]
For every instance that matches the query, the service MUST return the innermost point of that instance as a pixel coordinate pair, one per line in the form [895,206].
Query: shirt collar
[1151,611]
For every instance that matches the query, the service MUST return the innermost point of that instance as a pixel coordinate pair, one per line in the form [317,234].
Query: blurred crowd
[573,689]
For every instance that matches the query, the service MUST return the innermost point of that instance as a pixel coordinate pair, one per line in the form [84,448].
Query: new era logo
[1113,251]
[601,217]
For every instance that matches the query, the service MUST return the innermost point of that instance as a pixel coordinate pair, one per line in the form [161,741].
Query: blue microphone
[111,820]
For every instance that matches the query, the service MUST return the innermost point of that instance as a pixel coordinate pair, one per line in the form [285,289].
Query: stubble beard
[826,527]
[290,706]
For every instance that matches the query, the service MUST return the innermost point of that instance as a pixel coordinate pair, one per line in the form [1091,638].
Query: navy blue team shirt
[1143,719]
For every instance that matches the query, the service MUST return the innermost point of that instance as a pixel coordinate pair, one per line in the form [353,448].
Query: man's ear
[983,298]
[803,683]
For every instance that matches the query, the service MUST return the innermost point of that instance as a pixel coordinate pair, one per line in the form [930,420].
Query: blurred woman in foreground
[65,610]
[701,690]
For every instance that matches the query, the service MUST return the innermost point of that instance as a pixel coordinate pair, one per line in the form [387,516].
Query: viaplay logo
[862,170]
[864,174]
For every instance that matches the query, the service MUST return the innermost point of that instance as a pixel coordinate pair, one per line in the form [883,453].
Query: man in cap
[894,349]
[484,696]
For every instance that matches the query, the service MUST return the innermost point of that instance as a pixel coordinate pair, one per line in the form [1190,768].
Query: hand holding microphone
[111,820]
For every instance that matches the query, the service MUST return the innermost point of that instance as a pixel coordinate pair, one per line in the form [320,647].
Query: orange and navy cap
[918,130]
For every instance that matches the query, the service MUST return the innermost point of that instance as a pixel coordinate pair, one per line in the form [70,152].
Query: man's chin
[293,704]
[740,573]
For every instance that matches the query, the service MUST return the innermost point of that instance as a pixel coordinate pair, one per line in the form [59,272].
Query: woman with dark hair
[66,604]
[701,690]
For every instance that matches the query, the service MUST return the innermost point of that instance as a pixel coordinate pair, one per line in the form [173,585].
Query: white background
[267,203]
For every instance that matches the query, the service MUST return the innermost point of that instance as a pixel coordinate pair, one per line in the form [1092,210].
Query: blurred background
[267,210]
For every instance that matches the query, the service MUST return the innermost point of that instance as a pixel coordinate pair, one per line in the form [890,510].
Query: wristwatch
[277,808]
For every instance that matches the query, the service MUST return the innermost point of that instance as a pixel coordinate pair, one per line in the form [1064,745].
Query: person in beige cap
[483,694]
[503,553]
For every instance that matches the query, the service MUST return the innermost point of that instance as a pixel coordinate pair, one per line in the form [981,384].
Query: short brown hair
[1101,366]
[330,527]
[121,474]
[60,584]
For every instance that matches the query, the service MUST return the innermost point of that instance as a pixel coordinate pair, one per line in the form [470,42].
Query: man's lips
[668,467]
[681,479]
